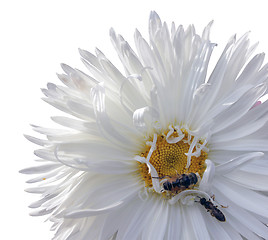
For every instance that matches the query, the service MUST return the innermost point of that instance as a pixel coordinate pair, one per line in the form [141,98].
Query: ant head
[203,201]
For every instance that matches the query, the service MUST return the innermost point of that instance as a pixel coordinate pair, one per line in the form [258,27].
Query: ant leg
[213,197]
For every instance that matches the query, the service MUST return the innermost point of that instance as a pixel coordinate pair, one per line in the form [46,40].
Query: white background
[35,36]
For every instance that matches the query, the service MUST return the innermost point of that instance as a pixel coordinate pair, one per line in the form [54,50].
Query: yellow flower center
[170,159]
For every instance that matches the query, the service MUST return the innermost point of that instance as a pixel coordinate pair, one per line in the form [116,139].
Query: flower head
[162,151]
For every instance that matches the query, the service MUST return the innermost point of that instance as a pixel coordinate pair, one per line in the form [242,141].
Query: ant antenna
[198,197]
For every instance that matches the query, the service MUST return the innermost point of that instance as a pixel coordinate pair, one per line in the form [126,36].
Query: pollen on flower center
[170,159]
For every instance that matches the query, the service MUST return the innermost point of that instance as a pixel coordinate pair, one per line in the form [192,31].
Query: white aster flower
[118,170]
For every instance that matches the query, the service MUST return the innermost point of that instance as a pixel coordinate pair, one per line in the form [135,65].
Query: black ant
[214,211]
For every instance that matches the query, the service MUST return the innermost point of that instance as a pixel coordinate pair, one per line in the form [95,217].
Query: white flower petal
[257,167]
[239,108]
[145,118]
[240,225]
[251,69]
[40,169]
[245,198]
[252,181]
[51,174]
[84,110]
[103,121]
[248,124]
[90,150]
[207,179]
[198,223]
[109,167]
[187,227]
[174,224]
[86,127]
[249,223]
[119,221]
[40,142]
[215,229]
[137,221]
[158,221]
[91,58]
[240,54]
[234,163]
[93,212]
[246,144]
[196,77]
[205,99]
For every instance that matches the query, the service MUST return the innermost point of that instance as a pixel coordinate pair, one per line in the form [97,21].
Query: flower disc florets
[169,156]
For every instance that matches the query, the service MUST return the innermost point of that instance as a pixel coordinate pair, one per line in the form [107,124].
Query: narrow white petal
[252,181]
[86,127]
[207,179]
[251,69]
[196,77]
[145,118]
[187,227]
[139,218]
[245,198]
[91,58]
[103,121]
[158,221]
[93,212]
[40,142]
[246,144]
[109,167]
[40,212]
[38,190]
[232,232]
[215,228]
[174,225]
[248,124]
[239,108]
[198,223]
[237,162]
[118,221]
[85,111]
[234,218]
[40,169]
